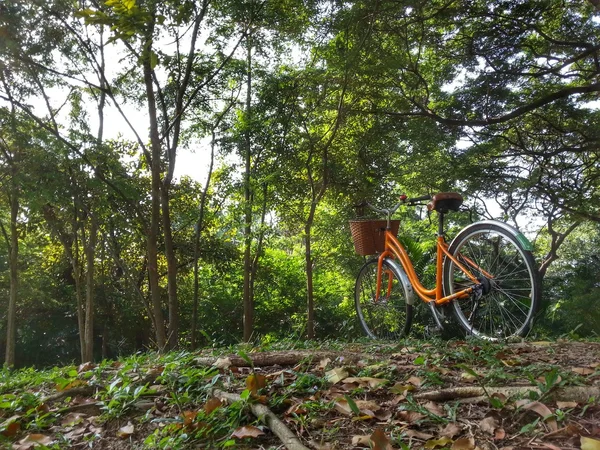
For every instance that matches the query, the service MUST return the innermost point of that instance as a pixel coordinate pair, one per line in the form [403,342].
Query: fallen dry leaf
[434,408]
[336,375]
[85,367]
[468,377]
[10,426]
[563,405]
[379,441]
[441,442]
[255,382]
[33,441]
[415,381]
[383,415]
[341,405]
[369,405]
[212,404]
[589,443]
[419,435]
[247,431]
[583,370]
[450,430]
[72,419]
[488,425]
[372,383]
[510,362]
[544,412]
[400,388]
[362,441]
[463,444]
[499,396]
[189,417]
[126,431]
[323,363]
[410,416]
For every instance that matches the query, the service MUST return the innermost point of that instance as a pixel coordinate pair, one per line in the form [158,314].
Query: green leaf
[153,59]
[352,405]
[242,354]
[419,360]
[245,395]
[496,403]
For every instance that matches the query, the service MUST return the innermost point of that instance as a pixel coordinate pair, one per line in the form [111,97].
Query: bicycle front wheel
[510,290]
[387,316]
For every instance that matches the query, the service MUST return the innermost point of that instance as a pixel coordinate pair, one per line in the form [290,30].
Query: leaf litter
[370,396]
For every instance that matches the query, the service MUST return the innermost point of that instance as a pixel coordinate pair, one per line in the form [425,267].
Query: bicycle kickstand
[435,314]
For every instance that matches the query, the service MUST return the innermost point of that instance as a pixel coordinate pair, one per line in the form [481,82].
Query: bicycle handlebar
[405,199]
[388,212]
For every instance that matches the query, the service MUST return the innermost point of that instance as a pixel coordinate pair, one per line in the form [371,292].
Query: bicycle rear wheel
[389,315]
[510,294]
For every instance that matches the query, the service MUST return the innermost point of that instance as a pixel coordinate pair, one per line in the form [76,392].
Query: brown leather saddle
[443,202]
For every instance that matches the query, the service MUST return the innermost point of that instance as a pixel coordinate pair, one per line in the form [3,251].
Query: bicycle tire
[388,317]
[510,299]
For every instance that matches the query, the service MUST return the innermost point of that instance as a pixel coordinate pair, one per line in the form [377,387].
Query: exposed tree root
[476,394]
[264,414]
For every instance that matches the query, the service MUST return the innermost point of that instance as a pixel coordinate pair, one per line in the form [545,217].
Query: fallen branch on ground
[291,358]
[80,390]
[262,412]
[475,394]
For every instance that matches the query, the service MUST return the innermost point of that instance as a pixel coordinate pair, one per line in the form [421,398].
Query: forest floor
[433,395]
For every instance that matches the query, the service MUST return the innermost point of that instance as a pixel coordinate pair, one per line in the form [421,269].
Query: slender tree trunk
[197,234]
[11,327]
[310,303]
[171,268]
[153,229]
[90,254]
[80,310]
[248,305]
[259,244]
[71,245]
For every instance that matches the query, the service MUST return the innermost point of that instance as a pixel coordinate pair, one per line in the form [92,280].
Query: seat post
[440,223]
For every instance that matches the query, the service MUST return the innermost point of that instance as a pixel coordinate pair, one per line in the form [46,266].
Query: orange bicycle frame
[394,249]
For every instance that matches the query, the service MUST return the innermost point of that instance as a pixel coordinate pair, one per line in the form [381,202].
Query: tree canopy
[302,108]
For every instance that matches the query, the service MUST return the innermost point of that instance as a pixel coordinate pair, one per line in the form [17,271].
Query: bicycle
[487,274]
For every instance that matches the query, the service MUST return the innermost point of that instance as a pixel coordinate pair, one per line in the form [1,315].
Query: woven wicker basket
[369,236]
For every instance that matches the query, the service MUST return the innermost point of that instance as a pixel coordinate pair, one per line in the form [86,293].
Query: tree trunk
[90,253]
[310,317]
[11,327]
[259,244]
[153,229]
[248,305]
[197,233]
[80,311]
[171,268]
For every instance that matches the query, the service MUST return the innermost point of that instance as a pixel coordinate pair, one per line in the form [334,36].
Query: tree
[11,150]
